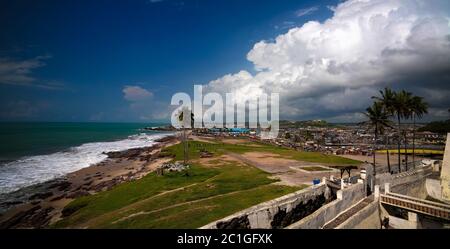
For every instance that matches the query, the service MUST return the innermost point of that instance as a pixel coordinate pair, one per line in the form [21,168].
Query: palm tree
[387,153]
[402,102]
[378,120]
[418,108]
[396,104]
[387,98]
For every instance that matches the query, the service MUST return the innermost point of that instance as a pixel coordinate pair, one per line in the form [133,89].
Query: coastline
[40,205]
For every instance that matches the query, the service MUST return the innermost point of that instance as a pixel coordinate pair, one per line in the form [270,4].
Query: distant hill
[305,123]
[437,127]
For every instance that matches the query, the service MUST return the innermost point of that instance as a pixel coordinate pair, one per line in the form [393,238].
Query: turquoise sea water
[27,139]
[31,153]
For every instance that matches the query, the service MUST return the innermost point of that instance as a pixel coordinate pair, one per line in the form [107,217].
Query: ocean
[32,153]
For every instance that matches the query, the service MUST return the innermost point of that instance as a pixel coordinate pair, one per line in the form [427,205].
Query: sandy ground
[288,171]
[203,139]
[269,162]
[234,141]
[217,161]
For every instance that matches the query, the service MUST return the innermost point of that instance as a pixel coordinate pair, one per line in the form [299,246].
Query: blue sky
[74,60]
[92,49]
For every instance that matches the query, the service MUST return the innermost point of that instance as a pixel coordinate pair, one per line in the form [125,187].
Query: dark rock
[166,139]
[40,196]
[69,210]
[12,203]
[88,183]
[126,154]
[106,185]
[206,154]
[19,218]
[41,219]
[77,194]
[60,185]
[58,197]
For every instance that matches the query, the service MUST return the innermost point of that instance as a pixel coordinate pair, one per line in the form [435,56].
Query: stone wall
[345,198]
[280,212]
[445,172]
[399,223]
[404,178]
[394,167]
[433,188]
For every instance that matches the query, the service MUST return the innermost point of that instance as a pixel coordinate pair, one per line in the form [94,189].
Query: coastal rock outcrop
[171,167]
[35,217]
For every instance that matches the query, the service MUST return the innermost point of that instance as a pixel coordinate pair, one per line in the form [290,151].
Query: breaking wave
[37,169]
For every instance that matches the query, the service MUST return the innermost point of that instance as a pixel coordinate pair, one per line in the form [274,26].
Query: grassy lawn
[221,148]
[314,157]
[417,151]
[177,200]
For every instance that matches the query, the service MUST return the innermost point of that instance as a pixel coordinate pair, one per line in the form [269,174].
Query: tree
[387,153]
[387,99]
[287,135]
[378,120]
[418,108]
[402,110]
[396,104]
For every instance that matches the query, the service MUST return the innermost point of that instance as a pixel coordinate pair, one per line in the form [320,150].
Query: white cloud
[306,11]
[338,64]
[143,106]
[20,72]
[136,93]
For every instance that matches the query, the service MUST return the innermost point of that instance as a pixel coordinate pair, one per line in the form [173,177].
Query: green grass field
[220,148]
[417,151]
[177,200]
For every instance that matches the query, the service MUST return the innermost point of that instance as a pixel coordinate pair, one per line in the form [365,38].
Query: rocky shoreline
[40,205]
[161,128]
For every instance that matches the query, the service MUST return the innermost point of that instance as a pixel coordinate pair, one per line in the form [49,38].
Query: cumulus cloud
[136,93]
[143,106]
[334,67]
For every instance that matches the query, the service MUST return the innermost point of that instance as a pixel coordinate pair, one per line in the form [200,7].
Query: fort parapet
[445,172]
